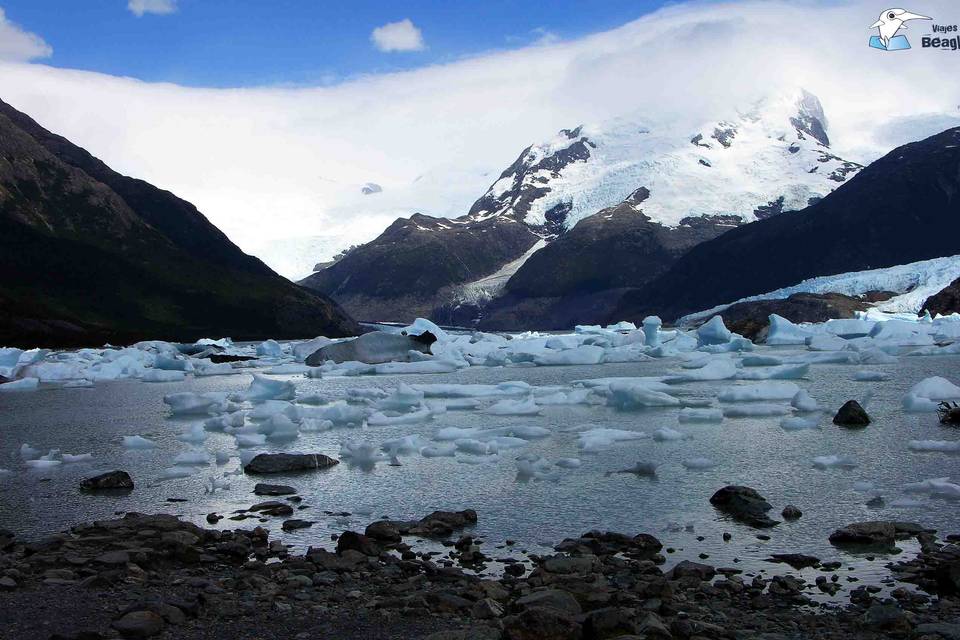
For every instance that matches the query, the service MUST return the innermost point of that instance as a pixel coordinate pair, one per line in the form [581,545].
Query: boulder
[263,489]
[376,347]
[110,481]
[687,569]
[139,624]
[266,463]
[743,504]
[384,531]
[851,414]
[293,524]
[541,623]
[556,599]
[944,302]
[272,508]
[353,541]
[796,560]
[875,533]
[790,512]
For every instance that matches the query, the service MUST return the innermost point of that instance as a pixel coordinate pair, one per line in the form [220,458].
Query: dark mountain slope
[88,255]
[902,208]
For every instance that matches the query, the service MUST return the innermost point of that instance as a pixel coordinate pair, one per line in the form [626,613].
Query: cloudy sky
[272,116]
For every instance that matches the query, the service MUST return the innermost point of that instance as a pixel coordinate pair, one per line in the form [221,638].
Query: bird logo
[890,22]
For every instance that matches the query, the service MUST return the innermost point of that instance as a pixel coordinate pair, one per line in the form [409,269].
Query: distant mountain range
[88,255]
[578,221]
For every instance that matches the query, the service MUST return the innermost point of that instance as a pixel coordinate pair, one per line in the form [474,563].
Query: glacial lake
[536,514]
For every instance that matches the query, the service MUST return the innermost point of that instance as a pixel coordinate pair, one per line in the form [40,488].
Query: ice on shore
[927,394]
[138,443]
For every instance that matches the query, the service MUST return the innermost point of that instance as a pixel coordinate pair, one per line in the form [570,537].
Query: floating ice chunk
[826,342]
[700,415]
[288,369]
[403,398]
[270,349]
[601,438]
[647,469]
[902,333]
[222,457]
[713,331]
[864,486]
[510,407]
[313,425]
[421,326]
[173,473]
[23,384]
[720,368]
[302,350]
[78,384]
[75,459]
[944,446]
[539,469]
[439,451]
[405,445]
[138,442]
[833,461]
[361,453]
[782,332]
[849,327]
[510,388]
[568,463]
[192,459]
[187,403]
[438,365]
[245,440]
[800,423]
[279,428]
[574,396]
[269,408]
[785,372]
[877,356]
[940,487]
[212,484]
[42,463]
[160,375]
[415,417]
[698,464]
[506,442]
[225,422]
[756,410]
[171,363]
[262,388]
[628,396]
[804,402]
[928,393]
[871,376]
[339,413]
[582,355]
[666,434]
[474,447]
[651,331]
[201,370]
[759,392]
[196,435]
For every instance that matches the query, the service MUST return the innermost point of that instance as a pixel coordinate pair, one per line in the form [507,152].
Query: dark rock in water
[293,524]
[796,560]
[139,624]
[384,531]
[219,358]
[375,347]
[791,512]
[272,508]
[266,463]
[353,541]
[876,502]
[752,319]
[743,504]
[944,302]
[875,533]
[110,481]
[949,413]
[687,569]
[214,518]
[4,380]
[851,414]
[263,489]
[643,546]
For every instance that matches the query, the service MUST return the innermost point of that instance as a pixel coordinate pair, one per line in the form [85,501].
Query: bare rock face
[752,319]
[110,481]
[266,463]
[852,415]
[744,504]
[944,302]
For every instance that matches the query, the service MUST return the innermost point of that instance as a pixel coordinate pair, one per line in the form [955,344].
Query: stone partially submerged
[875,533]
[377,347]
[744,504]
[852,415]
[110,481]
[266,463]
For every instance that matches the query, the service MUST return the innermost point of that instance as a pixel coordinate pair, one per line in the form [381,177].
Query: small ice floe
[339,413]
[202,370]
[279,428]
[42,463]
[475,447]
[642,468]
[379,419]
[568,463]
[269,408]
[510,407]
[316,399]
[269,349]
[212,485]
[834,461]
[716,369]
[247,440]
[511,388]
[187,403]
[173,473]
[439,451]
[222,457]
[138,443]
[784,332]
[761,361]
[927,394]
[631,396]
[403,399]
[582,355]
[76,458]
[803,402]
[29,453]
[939,487]
[759,392]
[826,342]
[537,468]
[713,331]
[287,369]
[226,422]
[162,375]
[263,388]
[191,459]
[698,464]
[405,445]
[784,372]
[871,376]
[691,414]
[906,503]
[943,446]
[666,434]
[23,384]
[196,435]
[360,453]
[601,438]
[756,410]
[315,425]
[574,396]
[800,423]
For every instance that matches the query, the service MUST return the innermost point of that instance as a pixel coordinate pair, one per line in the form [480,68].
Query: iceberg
[763,391]
[928,393]
[713,331]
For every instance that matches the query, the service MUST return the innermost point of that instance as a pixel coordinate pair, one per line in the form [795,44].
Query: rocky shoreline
[141,576]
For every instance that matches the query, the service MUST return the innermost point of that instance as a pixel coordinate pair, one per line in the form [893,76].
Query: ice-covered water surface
[454,452]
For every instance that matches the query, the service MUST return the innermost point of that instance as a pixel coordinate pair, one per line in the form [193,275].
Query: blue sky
[232,43]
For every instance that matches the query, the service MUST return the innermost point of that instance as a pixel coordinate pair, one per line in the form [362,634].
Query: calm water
[537,514]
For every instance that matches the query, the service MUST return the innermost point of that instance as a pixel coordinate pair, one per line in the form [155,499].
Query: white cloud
[156,7]
[543,36]
[398,36]
[268,164]
[19,45]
